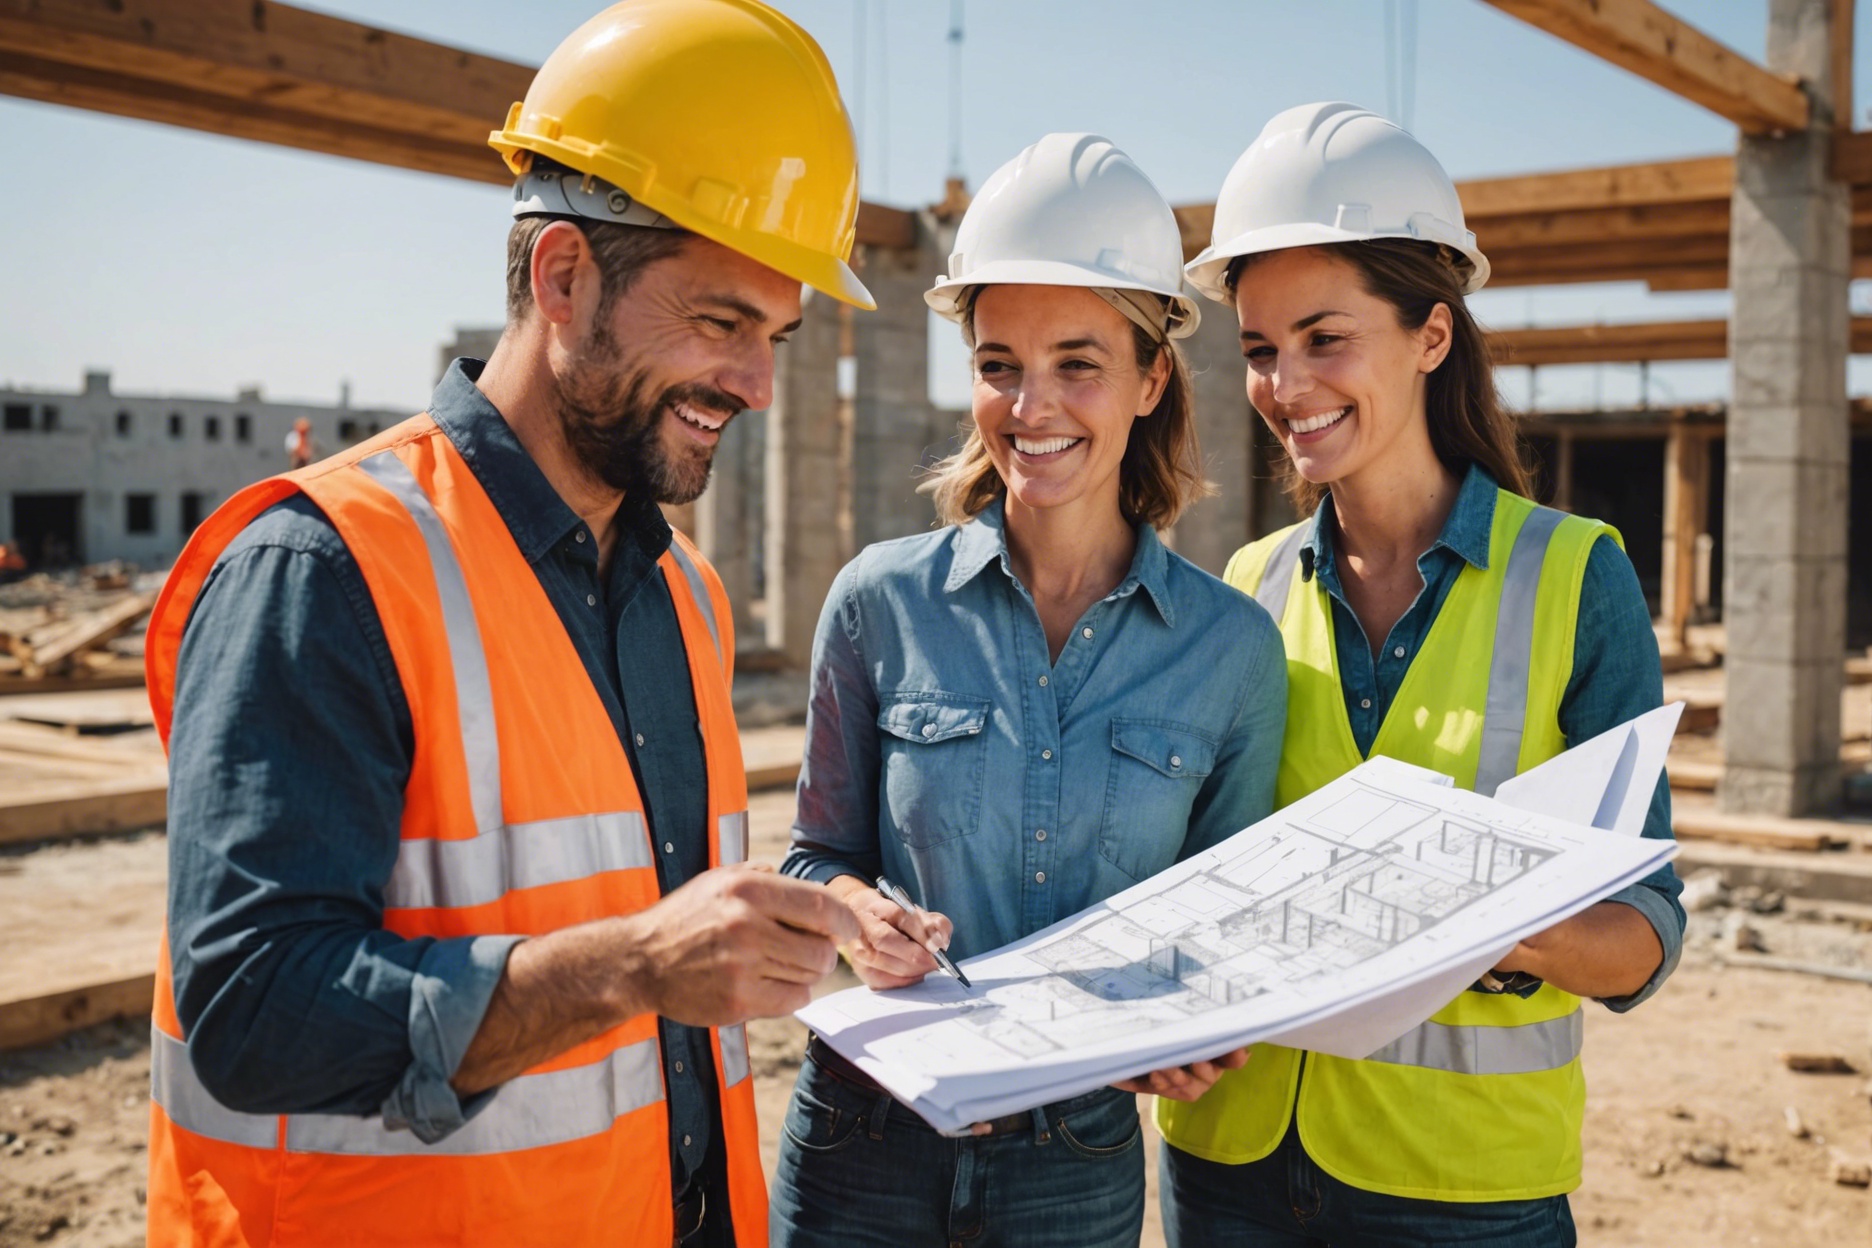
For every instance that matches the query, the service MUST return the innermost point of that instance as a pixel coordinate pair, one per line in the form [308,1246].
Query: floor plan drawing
[1360,909]
[1317,896]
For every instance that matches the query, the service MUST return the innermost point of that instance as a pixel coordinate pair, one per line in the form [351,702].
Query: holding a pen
[896,941]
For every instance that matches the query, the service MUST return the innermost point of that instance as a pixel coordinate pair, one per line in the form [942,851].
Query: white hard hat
[1071,210]
[1333,173]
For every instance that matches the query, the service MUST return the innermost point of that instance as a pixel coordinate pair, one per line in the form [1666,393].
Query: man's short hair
[622,252]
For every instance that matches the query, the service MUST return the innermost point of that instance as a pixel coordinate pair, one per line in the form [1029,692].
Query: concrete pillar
[1216,528]
[1686,516]
[725,526]
[801,469]
[1785,538]
[891,411]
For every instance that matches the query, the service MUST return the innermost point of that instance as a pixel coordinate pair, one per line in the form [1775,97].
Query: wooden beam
[1686,517]
[271,73]
[1611,186]
[40,1020]
[1656,45]
[1648,341]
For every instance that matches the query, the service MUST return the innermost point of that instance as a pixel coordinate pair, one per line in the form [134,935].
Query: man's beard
[615,428]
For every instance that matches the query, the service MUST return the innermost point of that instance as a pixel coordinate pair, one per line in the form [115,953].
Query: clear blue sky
[187,263]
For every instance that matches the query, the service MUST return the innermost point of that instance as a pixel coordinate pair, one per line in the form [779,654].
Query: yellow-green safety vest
[1483,1102]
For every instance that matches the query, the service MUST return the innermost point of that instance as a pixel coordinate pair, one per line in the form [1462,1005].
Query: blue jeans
[1286,1201]
[857,1168]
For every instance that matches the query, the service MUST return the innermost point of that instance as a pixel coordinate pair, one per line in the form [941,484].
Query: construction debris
[1796,1127]
[1849,1171]
[1818,1063]
[73,630]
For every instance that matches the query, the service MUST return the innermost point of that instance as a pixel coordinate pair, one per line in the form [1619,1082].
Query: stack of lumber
[78,764]
[45,646]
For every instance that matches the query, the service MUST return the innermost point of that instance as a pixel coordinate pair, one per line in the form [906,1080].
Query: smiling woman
[1028,710]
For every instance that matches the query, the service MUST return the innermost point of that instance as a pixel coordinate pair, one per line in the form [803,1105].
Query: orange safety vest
[520,816]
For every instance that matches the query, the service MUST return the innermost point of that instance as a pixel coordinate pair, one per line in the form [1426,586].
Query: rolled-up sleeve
[289,753]
[1240,791]
[836,830]
[1617,676]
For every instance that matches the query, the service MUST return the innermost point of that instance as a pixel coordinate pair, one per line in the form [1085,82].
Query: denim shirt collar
[983,541]
[535,514]
[1465,532]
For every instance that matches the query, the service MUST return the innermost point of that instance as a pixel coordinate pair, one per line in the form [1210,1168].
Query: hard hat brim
[1209,270]
[946,297]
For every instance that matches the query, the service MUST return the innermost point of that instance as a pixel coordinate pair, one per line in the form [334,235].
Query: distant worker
[301,450]
[451,738]
[1432,613]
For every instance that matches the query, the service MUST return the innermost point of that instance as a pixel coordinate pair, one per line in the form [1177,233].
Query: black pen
[902,898]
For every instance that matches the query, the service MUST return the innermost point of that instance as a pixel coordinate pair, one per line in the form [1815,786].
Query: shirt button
[1046,753]
[1086,633]
[1175,761]
[1040,834]
[686,1141]
[679,1068]
[1398,653]
[929,730]
[591,600]
[1039,877]
[669,847]
[640,738]
[1365,704]
[1043,682]
[580,537]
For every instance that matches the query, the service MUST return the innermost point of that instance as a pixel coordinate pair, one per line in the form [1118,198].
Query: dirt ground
[1694,1072]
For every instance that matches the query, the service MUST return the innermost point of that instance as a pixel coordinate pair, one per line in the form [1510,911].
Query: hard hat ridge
[1328,173]
[1072,209]
[721,116]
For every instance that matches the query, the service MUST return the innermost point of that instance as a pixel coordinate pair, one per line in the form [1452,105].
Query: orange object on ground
[520,816]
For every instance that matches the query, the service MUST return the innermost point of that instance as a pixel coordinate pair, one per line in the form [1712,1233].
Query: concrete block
[1806,432]
[1786,610]
[1215,528]
[1770,707]
[1805,790]
[803,550]
[1779,374]
[891,410]
[1787,509]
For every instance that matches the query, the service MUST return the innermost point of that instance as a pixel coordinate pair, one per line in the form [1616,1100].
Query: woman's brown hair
[1161,473]
[1468,424]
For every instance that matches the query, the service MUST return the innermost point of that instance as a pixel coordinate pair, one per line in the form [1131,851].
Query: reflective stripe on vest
[529,1111]
[474,871]
[1273,589]
[474,692]
[698,589]
[1506,713]
[731,834]
[734,1054]
[1489,1050]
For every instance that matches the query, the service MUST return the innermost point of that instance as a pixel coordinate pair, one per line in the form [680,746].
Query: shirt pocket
[932,752]
[1157,767]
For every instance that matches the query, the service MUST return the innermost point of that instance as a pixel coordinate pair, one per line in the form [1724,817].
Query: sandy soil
[1697,1070]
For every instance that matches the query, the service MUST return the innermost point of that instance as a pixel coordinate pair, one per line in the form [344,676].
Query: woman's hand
[890,952]
[1606,950]
[1185,1083]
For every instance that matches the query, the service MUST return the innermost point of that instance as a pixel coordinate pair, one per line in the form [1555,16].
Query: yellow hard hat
[721,115]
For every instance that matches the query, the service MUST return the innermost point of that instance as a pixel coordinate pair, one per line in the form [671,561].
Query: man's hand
[735,944]
[1606,950]
[893,946]
[1185,1083]
[732,944]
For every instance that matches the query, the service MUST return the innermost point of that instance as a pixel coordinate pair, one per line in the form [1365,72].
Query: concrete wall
[163,448]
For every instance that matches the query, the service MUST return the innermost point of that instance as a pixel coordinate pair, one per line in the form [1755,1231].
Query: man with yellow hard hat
[459,943]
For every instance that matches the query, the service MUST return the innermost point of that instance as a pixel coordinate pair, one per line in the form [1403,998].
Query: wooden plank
[84,808]
[43,1019]
[1702,218]
[92,630]
[1686,516]
[1657,45]
[276,74]
[1701,178]
[1760,831]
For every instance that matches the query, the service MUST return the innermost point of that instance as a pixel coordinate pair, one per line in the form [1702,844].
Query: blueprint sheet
[1337,924]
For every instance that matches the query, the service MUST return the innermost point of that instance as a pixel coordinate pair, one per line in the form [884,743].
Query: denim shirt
[1616,671]
[945,749]
[291,747]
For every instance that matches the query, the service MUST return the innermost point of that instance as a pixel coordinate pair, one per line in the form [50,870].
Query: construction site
[1734,1109]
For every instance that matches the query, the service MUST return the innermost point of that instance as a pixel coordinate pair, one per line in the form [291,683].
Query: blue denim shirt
[1616,671]
[291,746]
[946,750]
